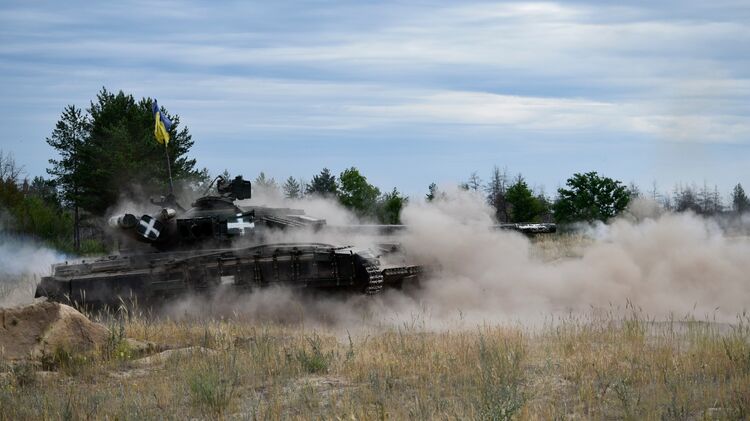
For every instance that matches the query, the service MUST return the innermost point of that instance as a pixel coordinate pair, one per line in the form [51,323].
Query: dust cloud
[664,264]
[23,262]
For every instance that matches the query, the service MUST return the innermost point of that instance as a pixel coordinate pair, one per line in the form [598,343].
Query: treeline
[32,207]
[351,189]
[702,201]
[107,153]
[586,197]
[590,197]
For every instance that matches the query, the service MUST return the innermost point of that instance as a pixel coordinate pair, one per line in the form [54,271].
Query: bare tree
[496,190]
[654,192]
[634,190]
[686,199]
[709,201]
[474,183]
[10,171]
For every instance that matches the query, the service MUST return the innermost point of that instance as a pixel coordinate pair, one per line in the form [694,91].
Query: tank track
[374,281]
[160,276]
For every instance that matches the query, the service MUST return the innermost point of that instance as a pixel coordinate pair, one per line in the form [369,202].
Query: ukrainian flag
[161,129]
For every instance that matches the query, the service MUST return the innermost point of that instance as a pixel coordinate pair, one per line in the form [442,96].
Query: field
[589,366]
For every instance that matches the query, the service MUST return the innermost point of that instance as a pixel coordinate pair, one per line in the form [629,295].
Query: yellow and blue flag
[161,129]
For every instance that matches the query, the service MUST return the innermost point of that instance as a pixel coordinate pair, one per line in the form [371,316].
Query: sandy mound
[41,328]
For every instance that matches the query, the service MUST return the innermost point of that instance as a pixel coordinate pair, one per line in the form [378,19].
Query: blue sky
[410,93]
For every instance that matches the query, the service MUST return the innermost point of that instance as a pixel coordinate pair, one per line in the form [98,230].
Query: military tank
[218,245]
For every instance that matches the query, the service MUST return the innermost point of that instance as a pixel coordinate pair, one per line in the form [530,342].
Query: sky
[408,92]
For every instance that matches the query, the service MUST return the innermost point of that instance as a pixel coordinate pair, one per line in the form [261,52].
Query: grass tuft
[312,357]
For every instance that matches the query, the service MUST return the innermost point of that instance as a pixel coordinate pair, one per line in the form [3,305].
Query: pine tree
[69,138]
[740,202]
[432,192]
[111,152]
[323,184]
[524,206]
[292,189]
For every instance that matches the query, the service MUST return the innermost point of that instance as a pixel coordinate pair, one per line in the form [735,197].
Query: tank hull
[155,277]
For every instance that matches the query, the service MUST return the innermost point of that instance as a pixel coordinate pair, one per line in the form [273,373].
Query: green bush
[315,360]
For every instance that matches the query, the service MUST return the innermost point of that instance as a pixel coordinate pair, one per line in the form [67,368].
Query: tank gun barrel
[123,221]
[146,228]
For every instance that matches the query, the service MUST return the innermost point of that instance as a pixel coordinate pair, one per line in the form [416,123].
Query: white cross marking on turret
[240,225]
[149,226]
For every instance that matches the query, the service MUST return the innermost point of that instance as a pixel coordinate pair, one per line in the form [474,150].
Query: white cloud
[602,67]
[559,114]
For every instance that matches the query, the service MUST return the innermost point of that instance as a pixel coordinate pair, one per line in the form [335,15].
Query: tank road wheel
[374,280]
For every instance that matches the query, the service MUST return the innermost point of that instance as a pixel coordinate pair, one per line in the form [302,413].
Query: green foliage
[314,360]
[69,138]
[740,202]
[116,347]
[356,193]
[432,192]
[92,247]
[590,197]
[35,214]
[46,190]
[323,184]
[390,206]
[111,152]
[33,209]
[10,193]
[32,215]
[292,188]
[524,206]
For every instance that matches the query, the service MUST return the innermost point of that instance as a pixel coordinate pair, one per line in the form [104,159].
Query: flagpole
[169,168]
[162,136]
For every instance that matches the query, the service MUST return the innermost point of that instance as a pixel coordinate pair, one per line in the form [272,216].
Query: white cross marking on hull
[149,227]
[240,225]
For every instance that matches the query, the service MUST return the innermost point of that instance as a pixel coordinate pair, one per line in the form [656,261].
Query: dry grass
[587,367]
[592,368]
